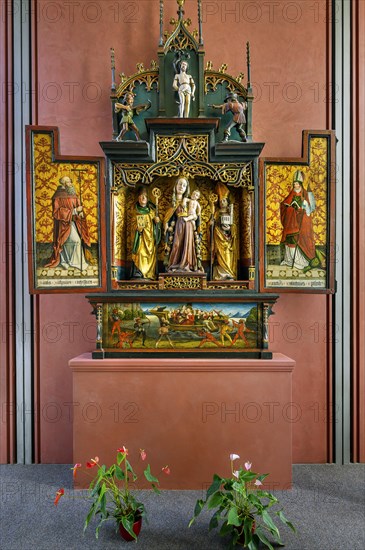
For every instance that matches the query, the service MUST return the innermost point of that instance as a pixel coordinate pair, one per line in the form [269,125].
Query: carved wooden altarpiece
[181,120]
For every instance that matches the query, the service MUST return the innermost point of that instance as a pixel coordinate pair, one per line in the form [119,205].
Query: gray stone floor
[326,504]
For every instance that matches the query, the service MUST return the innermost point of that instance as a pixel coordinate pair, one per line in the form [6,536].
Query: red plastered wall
[289,74]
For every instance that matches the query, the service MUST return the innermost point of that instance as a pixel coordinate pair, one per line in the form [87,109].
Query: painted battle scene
[297,248]
[66,226]
[183,326]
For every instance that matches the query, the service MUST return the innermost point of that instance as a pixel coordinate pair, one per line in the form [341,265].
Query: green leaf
[226,529]
[198,508]
[95,490]
[247,528]
[99,525]
[254,543]
[149,476]
[213,524]
[227,483]
[261,477]
[233,518]
[103,505]
[101,492]
[247,476]
[119,474]
[269,496]
[101,472]
[269,522]
[215,500]
[128,526]
[215,486]
[237,486]
[130,469]
[235,534]
[264,539]
[157,491]
[286,521]
[120,458]
[89,515]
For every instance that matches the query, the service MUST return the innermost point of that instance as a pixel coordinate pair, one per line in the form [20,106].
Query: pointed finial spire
[248,64]
[161,23]
[112,60]
[201,41]
[180,12]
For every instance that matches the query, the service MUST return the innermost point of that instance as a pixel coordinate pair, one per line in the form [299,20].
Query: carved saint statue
[129,110]
[146,228]
[224,246]
[181,226]
[185,86]
[232,105]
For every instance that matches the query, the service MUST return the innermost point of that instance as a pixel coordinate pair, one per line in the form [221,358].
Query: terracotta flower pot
[137,526]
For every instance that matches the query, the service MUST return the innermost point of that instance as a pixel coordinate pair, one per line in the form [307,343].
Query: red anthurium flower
[59,494]
[75,468]
[166,470]
[123,450]
[93,462]
[143,454]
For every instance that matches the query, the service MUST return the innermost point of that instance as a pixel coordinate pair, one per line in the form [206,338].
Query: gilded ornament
[182,283]
[213,78]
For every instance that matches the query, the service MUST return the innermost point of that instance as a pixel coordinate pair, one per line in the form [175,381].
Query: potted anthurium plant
[241,508]
[110,493]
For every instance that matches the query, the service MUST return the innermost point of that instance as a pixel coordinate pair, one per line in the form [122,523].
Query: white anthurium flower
[236,474]
[233,457]
[248,465]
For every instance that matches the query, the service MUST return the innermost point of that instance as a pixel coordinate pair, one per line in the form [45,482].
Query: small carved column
[247,242]
[265,326]
[99,326]
[118,214]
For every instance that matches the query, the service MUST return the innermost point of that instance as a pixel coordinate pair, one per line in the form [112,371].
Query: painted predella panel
[64,206]
[299,205]
[180,326]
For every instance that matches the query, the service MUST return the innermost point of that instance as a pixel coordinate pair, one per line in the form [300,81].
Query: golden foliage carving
[119,236]
[125,285]
[188,154]
[194,147]
[174,282]
[247,225]
[149,77]
[212,285]
[214,78]
[180,38]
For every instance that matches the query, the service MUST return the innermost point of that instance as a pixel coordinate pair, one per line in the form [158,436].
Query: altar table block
[189,414]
